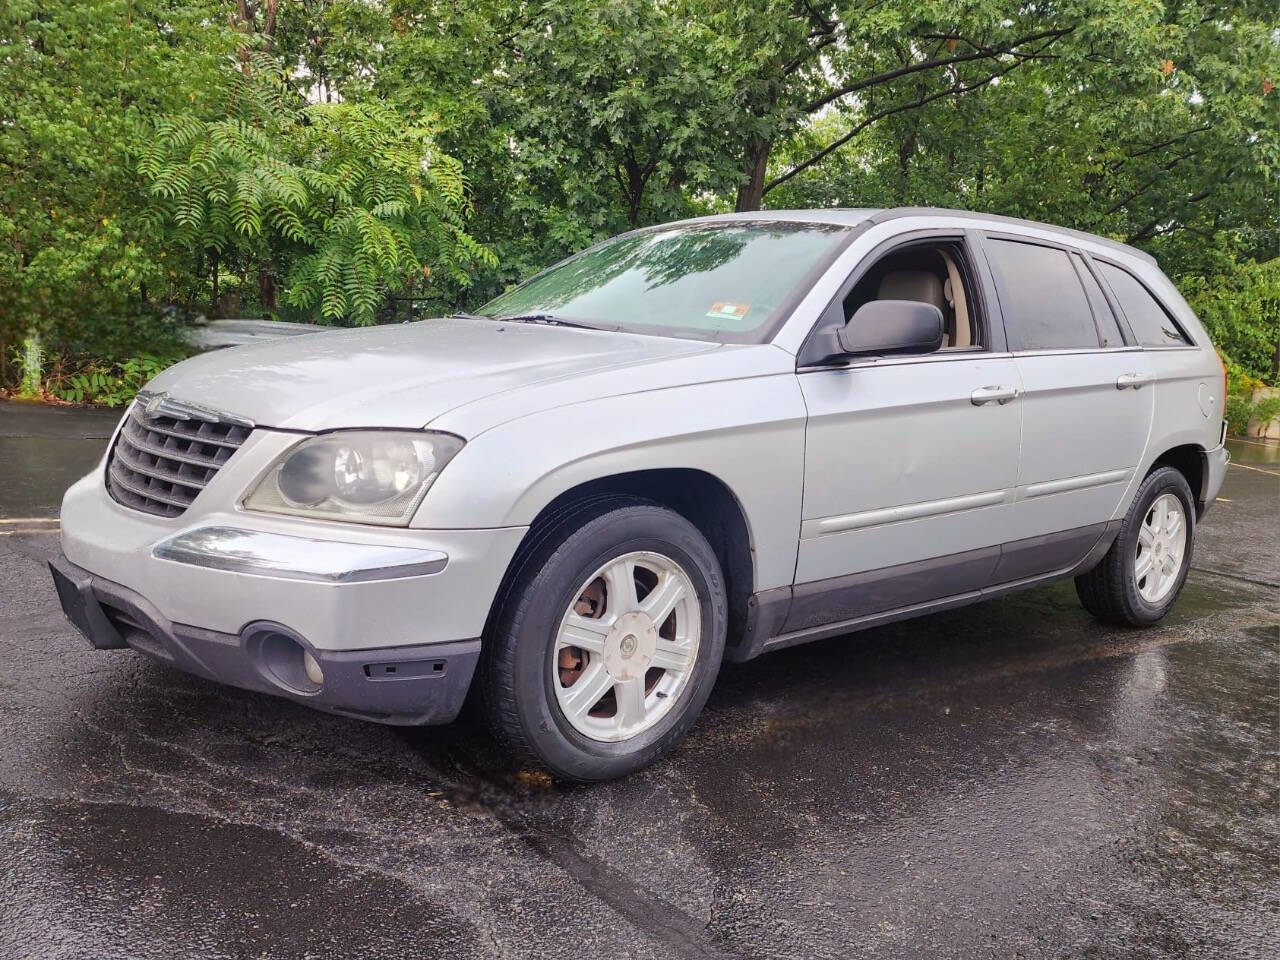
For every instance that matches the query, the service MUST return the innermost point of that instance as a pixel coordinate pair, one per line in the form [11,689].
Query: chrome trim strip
[145,424]
[264,554]
[114,473]
[911,511]
[140,444]
[953,355]
[157,472]
[1076,351]
[1074,483]
[153,404]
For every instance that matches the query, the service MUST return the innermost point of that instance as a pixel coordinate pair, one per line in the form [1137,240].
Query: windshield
[727,282]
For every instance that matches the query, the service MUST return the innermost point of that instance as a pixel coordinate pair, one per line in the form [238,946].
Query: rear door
[1087,403]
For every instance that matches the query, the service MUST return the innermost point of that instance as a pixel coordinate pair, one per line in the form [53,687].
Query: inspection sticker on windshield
[724,310]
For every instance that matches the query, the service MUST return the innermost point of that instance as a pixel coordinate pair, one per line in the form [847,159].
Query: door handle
[999,394]
[1134,380]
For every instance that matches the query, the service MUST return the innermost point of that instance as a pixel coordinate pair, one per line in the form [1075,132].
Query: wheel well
[700,498]
[1187,459]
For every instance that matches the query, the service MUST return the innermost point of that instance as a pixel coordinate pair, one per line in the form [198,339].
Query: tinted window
[708,281]
[1108,328]
[1043,303]
[1147,319]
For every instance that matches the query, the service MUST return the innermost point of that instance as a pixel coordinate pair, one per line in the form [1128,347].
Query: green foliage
[1241,311]
[78,79]
[359,162]
[1247,401]
[352,200]
[30,360]
[109,384]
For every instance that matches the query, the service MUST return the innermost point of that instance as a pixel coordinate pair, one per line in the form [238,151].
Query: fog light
[282,658]
[312,668]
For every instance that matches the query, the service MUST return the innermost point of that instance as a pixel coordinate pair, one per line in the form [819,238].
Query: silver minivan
[697,441]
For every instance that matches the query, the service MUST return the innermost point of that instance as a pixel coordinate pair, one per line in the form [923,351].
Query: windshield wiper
[550,319]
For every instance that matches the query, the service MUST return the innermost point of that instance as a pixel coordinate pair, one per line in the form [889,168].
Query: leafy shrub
[1241,311]
[355,202]
[106,383]
[1265,411]
[1241,407]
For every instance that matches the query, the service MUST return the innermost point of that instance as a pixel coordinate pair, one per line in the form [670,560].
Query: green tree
[353,202]
[79,79]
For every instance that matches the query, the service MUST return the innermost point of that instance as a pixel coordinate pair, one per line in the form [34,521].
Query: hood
[401,375]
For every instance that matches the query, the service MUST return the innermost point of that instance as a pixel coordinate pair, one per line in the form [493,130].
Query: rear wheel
[607,641]
[1144,571]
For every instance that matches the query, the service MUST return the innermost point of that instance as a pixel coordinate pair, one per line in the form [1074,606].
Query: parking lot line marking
[26,530]
[13,520]
[1245,466]
[1256,443]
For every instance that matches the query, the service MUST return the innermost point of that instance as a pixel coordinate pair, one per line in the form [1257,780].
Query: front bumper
[223,568]
[406,685]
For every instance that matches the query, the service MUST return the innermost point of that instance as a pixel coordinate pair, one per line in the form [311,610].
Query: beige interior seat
[921,285]
[953,290]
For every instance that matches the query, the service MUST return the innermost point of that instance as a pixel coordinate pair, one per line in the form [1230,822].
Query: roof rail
[896,212]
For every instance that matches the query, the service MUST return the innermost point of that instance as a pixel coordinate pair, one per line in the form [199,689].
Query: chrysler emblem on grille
[163,405]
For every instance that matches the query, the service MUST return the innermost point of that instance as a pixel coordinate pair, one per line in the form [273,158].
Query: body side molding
[827,608]
[912,511]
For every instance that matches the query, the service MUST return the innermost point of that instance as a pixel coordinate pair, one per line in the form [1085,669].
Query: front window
[728,282]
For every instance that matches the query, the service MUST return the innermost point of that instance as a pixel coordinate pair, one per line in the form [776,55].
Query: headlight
[365,476]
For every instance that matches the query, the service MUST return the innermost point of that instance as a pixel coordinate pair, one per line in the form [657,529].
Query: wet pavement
[1009,779]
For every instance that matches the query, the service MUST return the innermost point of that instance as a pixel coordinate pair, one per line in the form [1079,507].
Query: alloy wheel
[626,647]
[1162,541]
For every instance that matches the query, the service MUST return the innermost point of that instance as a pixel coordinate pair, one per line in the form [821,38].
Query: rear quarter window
[1151,323]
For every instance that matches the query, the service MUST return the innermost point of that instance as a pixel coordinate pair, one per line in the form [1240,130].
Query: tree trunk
[636,181]
[751,193]
[266,290]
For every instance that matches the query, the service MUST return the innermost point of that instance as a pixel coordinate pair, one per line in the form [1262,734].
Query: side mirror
[892,326]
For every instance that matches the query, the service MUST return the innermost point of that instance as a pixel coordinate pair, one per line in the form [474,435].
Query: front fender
[748,433]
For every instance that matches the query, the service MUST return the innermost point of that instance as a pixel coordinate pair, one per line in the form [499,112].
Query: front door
[910,462]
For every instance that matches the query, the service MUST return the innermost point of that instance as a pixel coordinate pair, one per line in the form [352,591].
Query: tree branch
[1147,185]
[1152,148]
[1149,229]
[798,60]
[955,89]
[982,53]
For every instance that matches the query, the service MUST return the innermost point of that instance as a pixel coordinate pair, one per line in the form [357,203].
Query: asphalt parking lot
[1010,779]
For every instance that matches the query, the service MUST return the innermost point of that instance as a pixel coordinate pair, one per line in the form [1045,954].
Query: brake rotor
[573,660]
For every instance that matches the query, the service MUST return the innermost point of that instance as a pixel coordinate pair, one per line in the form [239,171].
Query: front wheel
[1144,571]
[607,641]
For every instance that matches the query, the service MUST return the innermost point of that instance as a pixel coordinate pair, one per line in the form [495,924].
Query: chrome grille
[163,459]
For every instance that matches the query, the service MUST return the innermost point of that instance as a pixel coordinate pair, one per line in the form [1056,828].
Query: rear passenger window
[1149,321]
[1044,305]
[1108,328]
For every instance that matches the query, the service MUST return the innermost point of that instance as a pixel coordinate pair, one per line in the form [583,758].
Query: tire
[528,672]
[1115,590]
